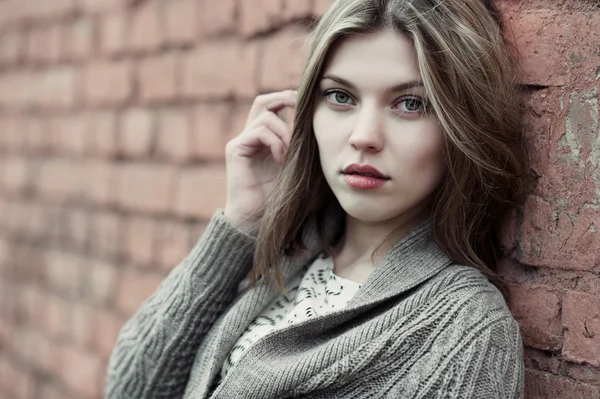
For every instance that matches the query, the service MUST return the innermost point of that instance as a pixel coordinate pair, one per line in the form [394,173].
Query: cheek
[318,127]
[423,156]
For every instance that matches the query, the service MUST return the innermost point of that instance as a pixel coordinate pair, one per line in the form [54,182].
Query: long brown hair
[470,82]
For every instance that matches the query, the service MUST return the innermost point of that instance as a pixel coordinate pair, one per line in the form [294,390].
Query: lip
[366,168]
[364,182]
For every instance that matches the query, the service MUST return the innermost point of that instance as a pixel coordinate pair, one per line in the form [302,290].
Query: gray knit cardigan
[421,326]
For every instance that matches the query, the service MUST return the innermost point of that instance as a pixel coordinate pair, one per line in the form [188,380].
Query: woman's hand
[254,157]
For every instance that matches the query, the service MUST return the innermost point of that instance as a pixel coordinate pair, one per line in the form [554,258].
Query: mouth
[364,170]
[375,176]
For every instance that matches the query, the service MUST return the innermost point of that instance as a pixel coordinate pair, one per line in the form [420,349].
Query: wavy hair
[471,84]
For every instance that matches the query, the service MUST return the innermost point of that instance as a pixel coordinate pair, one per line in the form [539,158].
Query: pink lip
[364,182]
[356,168]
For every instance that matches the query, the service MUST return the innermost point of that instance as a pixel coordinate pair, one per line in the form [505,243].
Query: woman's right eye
[337,97]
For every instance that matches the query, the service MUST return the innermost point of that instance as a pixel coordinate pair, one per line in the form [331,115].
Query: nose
[367,135]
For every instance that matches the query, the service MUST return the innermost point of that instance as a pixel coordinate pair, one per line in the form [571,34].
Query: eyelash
[424,104]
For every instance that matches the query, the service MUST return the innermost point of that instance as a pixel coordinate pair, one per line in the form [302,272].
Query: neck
[362,238]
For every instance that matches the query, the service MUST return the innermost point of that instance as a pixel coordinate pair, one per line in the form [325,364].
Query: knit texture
[421,326]
[314,291]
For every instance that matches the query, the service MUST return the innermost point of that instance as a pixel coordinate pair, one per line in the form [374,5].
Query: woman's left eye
[412,104]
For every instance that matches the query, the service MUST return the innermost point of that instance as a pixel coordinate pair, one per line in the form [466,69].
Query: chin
[368,211]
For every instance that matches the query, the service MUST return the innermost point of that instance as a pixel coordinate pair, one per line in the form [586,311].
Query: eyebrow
[398,87]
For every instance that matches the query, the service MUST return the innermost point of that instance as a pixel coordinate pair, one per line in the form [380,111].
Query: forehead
[381,58]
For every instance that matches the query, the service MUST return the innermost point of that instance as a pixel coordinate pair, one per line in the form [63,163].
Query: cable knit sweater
[421,326]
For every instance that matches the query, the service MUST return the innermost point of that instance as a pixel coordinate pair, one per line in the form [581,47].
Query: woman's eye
[337,97]
[412,105]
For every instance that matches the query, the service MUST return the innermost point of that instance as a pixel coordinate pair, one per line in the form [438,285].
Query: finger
[256,139]
[275,124]
[272,102]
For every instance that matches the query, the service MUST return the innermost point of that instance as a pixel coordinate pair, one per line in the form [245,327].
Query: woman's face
[370,111]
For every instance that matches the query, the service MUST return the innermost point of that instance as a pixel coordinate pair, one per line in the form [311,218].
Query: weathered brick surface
[114,115]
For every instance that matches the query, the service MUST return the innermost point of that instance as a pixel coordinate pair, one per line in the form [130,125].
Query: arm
[496,362]
[484,362]
[156,348]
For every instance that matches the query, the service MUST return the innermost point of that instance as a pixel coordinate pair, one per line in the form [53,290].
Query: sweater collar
[413,259]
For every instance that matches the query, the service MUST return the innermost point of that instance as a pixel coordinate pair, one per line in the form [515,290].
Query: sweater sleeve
[496,363]
[155,348]
[485,362]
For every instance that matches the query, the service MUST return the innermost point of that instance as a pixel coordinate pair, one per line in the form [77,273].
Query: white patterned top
[314,291]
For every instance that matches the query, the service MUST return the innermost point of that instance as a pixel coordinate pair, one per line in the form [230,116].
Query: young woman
[377,216]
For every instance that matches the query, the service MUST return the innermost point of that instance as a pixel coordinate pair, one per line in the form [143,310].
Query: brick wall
[113,120]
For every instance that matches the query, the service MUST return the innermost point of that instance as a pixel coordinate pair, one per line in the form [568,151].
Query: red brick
[221,68]
[36,227]
[19,382]
[83,327]
[537,309]
[174,135]
[46,10]
[69,134]
[101,6]
[37,135]
[6,337]
[146,32]
[137,132]
[260,16]
[134,288]
[76,228]
[182,21]
[581,320]
[139,241]
[5,255]
[282,60]
[200,191]
[218,16]
[100,182]
[79,39]
[44,44]
[539,385]
[22,345]
[60,179]
[107,326]
[209,135]
[571,173]
[583,373]
[51,390]
[12,128]
[157,77]
[12,46]
[552,44]
[559,239]
[102,137]
[293,10]
[79,371]
[145,187]
[105,234]
[63,273]
[100,281]
[321,6]
[108,83]
[58,318]
[15,91]
[174,244]
[55,88]
[15,173]
[46,353]
[113,33]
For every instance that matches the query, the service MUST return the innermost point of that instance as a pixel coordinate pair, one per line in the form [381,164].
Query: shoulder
[478,308]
